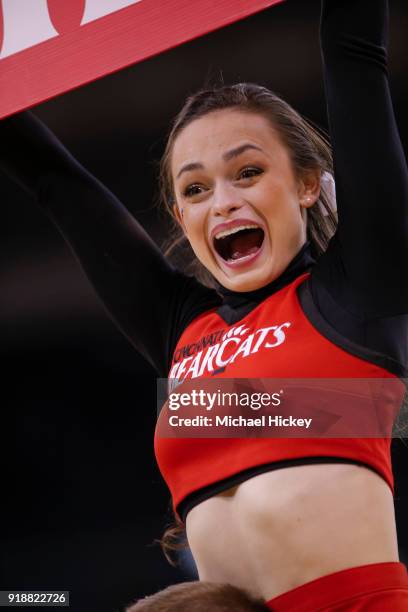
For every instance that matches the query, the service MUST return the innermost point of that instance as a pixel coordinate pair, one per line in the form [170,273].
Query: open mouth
[239,242]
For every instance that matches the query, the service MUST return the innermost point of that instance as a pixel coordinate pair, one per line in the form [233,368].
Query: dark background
[82,499]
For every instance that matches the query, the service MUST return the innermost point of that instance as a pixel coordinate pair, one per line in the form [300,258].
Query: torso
[273,341]
[283,528]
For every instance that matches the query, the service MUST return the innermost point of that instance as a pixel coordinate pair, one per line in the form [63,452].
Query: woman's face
[237,198]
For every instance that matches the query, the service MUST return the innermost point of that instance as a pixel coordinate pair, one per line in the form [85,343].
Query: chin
[247,281]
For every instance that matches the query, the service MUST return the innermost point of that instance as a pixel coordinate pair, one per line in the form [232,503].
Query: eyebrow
[227,156]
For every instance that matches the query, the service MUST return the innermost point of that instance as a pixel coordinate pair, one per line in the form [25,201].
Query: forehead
[206,139]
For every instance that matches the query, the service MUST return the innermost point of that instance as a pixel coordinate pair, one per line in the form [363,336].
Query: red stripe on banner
[74,55]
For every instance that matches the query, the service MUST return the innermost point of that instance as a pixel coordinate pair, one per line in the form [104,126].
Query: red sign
[50,46]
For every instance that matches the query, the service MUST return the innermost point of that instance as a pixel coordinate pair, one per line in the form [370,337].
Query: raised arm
[365,267]
[149,300]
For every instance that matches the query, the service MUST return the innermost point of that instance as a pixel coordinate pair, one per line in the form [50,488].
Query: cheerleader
[303,524]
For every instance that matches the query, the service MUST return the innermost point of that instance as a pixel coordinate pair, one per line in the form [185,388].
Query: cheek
[190,221]
[277,203]
[194,222]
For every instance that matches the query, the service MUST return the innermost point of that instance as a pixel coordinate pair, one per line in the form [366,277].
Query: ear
[178,213]
[309,187]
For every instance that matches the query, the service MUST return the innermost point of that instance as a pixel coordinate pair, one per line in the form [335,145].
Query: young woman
[303,524]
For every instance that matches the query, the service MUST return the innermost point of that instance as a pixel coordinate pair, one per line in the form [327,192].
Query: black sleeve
[149,300]
[360,284]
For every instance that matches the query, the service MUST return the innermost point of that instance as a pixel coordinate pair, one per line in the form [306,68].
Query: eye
[249,172]
[193,190]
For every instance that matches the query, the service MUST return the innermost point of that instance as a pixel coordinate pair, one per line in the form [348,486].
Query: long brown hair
[309,150]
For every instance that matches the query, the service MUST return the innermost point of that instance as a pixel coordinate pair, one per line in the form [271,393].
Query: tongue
[239,254]
[243,245]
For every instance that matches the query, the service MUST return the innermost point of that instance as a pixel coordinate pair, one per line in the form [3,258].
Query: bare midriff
[283,528]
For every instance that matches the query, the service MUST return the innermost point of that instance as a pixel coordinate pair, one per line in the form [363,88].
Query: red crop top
[275,340]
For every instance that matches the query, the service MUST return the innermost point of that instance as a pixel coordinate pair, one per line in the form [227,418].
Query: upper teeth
[234,230]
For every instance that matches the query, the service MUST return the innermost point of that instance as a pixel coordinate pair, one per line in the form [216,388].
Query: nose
[226,200]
